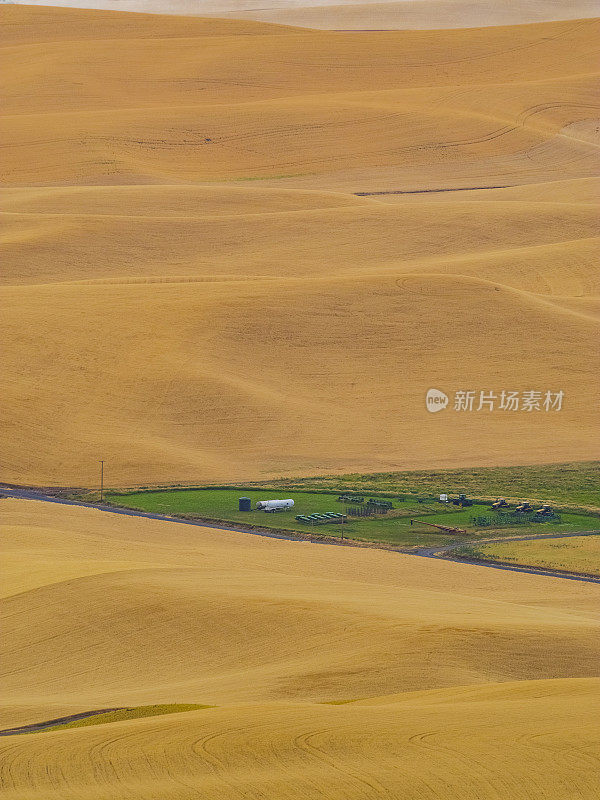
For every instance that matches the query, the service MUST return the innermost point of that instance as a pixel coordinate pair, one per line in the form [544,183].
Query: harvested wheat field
[212,271]
[577,553]
[238,250]
[360,14]
[331,672]
[371,14]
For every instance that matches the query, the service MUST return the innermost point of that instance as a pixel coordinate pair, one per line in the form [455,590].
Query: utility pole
[101,481]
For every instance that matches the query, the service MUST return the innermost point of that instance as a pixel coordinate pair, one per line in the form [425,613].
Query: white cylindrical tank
[265,505]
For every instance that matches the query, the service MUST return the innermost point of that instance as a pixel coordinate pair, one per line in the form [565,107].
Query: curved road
[440,552]
[433,191]
[445,553]
[34,727]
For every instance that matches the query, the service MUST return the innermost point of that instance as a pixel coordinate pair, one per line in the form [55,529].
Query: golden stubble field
[334,672]
[198,286]
[577,553]
[361,14]
[195,289]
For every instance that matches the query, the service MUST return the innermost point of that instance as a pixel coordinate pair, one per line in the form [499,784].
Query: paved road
[33,494]
[431,552]
[443,552]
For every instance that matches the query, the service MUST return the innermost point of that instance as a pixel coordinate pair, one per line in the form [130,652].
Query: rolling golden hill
[361,14]
[337,672]
[373,15]
[234,249]
[199,284]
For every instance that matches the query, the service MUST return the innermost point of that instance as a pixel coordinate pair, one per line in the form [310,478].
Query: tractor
[524,508]
[500,503]
[462,500]
[545,514]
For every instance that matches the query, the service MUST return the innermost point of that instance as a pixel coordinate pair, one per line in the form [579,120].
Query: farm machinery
[523,514]
[545,514]
[445,528]
[524,508]
[462,500]
[500,503]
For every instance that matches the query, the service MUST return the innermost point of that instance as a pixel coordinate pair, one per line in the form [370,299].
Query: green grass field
[395,528]
[575,484]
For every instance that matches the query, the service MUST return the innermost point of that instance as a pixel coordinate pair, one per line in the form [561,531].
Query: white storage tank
[271,505]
